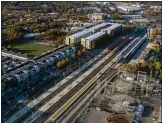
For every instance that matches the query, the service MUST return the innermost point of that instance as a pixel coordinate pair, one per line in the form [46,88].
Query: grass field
[32,48]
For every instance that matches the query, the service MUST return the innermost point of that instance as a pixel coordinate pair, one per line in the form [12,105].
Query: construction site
[118,101]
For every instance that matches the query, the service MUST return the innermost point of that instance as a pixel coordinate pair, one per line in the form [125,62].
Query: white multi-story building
[89,41]
[137,16]
[113,29]
[76,38]
[129,8]
[99,27]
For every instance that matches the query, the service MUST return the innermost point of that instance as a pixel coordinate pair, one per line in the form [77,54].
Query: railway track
[60,112]
[55,107]
[22,116]
[82,103]
[22,66]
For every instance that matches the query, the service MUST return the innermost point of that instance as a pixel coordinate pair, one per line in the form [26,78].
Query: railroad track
[82,103]
[20,67]
[55,107]
[61,110]
[22,116]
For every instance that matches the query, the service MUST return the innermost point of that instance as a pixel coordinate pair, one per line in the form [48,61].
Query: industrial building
[136,16]
[130,8]
[76,38]
[90,42]
[114,29]
[99,27]
[109,28]
[140,22]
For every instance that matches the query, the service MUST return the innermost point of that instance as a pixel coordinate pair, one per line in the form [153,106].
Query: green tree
[58,64]
[63,62]
[93,45]
[157,48]
[160,75]
[84,50]
[134,68]
[67,60]
[73,56]
[153,59]
[9,46]
[151,67]
[132,26]
[79,53]
[158,66]
[124,67]
[117,16]
[152,34]
[144,64]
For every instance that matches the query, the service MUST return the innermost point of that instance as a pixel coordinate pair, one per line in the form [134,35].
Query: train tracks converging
[70,102]
[34,105]
[85,99]
[49,103]
[78,87]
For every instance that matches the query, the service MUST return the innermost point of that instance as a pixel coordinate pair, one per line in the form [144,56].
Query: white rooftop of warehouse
[98,26]
[80,33]
[139,20]
[129,7]
[92,37]
[112,26]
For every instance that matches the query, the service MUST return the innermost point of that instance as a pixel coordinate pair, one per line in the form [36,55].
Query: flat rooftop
[99,26]
[140,20]
[80,33]
[112,27]
[92,37]
[129,7]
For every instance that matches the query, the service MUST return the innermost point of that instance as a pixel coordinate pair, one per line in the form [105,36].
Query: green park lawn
[32,48]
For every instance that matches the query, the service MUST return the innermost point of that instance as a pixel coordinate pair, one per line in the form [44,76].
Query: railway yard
[70,90]
[81,62]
